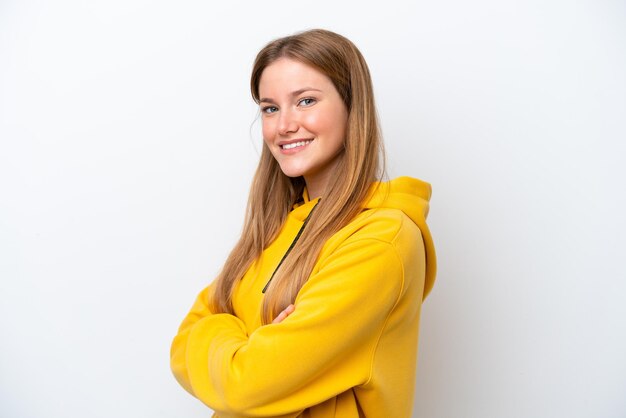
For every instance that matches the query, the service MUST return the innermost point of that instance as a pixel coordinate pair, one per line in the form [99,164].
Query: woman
[316,310]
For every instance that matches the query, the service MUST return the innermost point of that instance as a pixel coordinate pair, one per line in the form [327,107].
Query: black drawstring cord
[291,246]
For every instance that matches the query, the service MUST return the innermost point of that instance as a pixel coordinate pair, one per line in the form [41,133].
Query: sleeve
[178,363]
[324,348]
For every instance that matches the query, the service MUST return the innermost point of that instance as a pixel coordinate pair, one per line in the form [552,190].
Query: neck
[315,187]
[316,183]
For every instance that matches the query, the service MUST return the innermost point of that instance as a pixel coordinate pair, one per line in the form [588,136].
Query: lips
[297,144]
[294,143]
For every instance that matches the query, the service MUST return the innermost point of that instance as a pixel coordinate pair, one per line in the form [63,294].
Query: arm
[325,347]
[178,362]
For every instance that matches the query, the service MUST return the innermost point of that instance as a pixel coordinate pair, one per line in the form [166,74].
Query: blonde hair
[273,194]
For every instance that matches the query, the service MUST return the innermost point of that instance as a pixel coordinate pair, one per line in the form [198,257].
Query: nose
[287,122]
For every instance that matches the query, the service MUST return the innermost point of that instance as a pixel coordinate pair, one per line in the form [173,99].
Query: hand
[284,314]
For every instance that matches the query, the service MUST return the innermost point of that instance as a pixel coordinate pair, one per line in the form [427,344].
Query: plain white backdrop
[128,142]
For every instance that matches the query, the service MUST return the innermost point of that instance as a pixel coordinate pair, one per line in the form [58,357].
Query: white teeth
[295,144]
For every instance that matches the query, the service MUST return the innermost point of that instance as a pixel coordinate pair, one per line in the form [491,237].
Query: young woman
[316,310]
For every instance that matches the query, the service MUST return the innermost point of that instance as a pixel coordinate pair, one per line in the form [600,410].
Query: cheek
[319,123]
[331,123]
[267,130]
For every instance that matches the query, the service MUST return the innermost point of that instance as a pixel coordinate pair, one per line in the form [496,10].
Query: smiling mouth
[296,144]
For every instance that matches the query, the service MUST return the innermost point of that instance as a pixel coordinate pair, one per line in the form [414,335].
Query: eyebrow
[293,93]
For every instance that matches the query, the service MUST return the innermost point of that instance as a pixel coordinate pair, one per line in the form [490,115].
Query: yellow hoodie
[350,347]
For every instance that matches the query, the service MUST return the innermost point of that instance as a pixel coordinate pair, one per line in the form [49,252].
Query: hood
[408,194]
[411,196]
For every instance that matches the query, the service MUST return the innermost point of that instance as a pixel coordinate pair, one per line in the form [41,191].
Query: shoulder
[387,226]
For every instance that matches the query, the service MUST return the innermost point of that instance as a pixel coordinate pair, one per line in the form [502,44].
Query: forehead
[285,75]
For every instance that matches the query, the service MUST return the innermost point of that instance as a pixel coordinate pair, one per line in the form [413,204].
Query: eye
[309,101]
[268,109]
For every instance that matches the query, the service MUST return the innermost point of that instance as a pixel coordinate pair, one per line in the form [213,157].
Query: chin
[292,171]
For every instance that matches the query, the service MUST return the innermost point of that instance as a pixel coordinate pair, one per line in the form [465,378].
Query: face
[304,120]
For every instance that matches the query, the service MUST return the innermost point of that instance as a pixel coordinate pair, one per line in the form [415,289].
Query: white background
[128,142]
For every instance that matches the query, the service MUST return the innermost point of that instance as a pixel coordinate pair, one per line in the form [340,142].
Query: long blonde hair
[273,194]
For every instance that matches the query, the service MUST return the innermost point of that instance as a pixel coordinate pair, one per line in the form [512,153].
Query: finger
[284,314]
[279,318]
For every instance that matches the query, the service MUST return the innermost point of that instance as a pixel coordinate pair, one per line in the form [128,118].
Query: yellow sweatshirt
[350,347]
